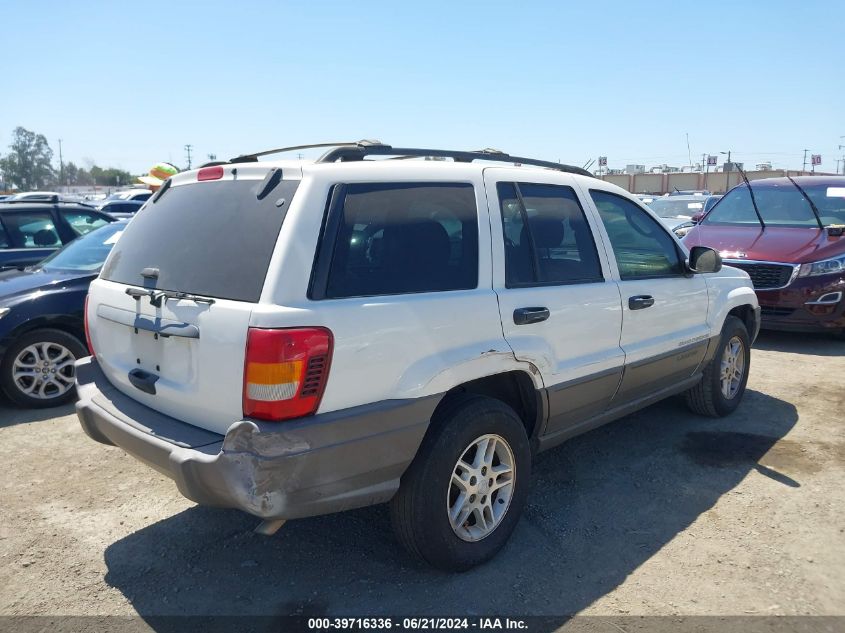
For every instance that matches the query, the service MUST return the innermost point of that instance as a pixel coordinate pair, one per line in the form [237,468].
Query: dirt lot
[659,513]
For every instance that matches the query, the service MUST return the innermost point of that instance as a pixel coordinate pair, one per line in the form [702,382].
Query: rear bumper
[322,464]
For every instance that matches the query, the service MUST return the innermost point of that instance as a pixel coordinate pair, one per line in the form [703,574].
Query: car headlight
[4,312]
[824,267]
[682,229]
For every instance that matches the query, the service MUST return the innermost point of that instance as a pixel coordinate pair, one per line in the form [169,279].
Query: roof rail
[359,151]
[251,158]
[54,199]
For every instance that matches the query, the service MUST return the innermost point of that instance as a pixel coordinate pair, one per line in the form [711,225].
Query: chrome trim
[821,301]
[792,277]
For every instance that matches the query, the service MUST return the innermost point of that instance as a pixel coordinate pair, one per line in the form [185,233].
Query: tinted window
[209,238]
[31,229]
[4,239]
[403,237]
[547,238]
[641,246]
[83,222]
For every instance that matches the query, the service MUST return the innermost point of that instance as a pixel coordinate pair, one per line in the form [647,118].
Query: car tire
[429,492]
[46,349]
[726,375]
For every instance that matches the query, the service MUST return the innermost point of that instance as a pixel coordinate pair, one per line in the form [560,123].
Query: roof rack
[252,158]
[358,152]
[54,199]
[355,151]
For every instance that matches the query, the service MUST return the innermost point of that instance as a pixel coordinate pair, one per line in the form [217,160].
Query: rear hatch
[183,355]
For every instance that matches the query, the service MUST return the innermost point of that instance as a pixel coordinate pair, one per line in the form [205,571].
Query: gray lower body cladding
[285,470]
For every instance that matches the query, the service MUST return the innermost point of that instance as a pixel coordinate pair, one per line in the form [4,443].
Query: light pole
[61,166]
[728,171]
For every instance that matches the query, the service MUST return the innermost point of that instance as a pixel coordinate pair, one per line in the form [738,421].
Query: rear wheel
[725,377]
[462,496]
[38,369]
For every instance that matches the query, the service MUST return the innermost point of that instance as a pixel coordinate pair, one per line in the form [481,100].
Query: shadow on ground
[11,414]
[813,344]
[601,505]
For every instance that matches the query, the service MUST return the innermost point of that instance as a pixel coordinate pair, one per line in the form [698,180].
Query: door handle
[526,316]
[639,302]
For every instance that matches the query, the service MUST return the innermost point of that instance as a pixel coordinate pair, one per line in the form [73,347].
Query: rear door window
[397,238]
[82,222]
[31,229]
[547,238]
[209,238]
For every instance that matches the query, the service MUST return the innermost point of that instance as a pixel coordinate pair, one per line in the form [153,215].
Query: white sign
[711,161]
[602,161]
[817,159]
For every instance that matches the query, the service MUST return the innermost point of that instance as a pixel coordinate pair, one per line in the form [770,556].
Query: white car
[298,338]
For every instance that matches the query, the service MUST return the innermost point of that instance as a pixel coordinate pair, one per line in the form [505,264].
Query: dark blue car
[42,330]
[30,231]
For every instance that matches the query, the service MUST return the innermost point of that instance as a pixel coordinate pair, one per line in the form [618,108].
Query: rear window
[212,238]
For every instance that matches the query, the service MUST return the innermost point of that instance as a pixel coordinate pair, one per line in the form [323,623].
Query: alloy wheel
[481,487]
[44,370]
[733,367]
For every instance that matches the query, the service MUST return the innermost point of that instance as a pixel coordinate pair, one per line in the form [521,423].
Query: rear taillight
[87,330]
[285,372]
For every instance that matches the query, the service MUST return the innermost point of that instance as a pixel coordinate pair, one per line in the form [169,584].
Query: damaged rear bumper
[285,470]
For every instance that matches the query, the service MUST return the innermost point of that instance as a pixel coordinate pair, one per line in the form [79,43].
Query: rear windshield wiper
[157,296]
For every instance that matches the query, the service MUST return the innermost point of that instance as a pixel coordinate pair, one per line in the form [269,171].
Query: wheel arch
[515,388]
[67,324]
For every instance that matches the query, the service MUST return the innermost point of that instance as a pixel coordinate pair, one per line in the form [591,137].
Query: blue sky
[129,84]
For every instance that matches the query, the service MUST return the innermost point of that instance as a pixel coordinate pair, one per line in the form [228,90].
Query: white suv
[297,338]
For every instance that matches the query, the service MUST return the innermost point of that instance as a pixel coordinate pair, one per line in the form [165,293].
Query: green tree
[27,166]
[111,176]
[77,175]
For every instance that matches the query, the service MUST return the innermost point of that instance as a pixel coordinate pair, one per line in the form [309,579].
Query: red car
[787,234]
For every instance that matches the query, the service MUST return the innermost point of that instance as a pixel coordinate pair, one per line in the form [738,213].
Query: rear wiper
[812,204]
[157,296]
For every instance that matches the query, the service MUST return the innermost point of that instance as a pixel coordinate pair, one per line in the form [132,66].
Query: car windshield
[781,204]
[86,253]
[675,208]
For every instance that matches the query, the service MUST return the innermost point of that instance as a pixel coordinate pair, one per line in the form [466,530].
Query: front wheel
[462,496]
[725,377]
[38,368]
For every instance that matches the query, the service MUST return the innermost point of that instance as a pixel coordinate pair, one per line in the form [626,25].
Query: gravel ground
[661,512]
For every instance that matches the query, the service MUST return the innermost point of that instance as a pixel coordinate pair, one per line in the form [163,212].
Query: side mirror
[703,259]
[696,217]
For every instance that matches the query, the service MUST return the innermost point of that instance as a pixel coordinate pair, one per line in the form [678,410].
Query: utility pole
[728,171]
[843,158]
[804,168]
[188,149]
[61,167]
